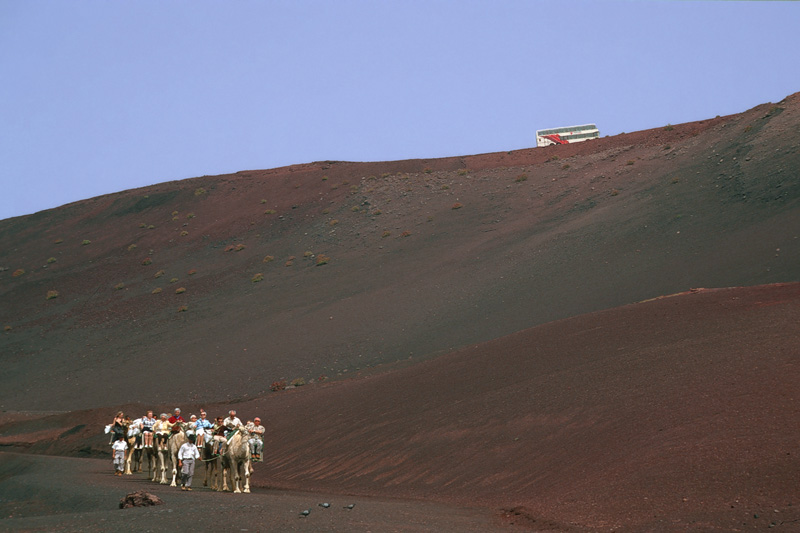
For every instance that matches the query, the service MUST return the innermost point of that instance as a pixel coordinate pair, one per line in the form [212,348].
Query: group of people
[151,432]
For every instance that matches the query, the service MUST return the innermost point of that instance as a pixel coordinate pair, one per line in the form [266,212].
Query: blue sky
[98,97]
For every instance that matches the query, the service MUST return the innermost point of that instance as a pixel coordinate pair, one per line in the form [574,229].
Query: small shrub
[630,162]
[614,192]
[445,187]
[667,146]
[86,242]
[174,213]
[427,170]
[151,227]
[174,280]
[463,172]
[184,233]
[676,180]
[669,127]
[268,258]
[192,272]
[199,191]
[322,259]
[565,166]
[239,247]
[298,382]
[386,233]
[324,178]
[553,158]
[190,216]
[119,286]
[406,234]
[156,290]
[142,225]
[278,385]
[183,308]
[131,247]
[7,328]
[258,277]
[748,128]
[52,294]
[180,290]
[326,211]
[147,261]
[18,272]
[457,205]
[521,178]
[175,219]
[270,212]
[308,254]
[333,222]
[377,212]
[323,377]
[58,241]
[159,274]
[51,260]
[263,200]
[355,209]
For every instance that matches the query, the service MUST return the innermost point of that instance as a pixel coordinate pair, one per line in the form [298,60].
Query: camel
[150,458]
[133,454]
[237,457]
[213,463]
[176,440]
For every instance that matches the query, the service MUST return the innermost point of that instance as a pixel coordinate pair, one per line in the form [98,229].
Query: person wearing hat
[256,431]
[187,455]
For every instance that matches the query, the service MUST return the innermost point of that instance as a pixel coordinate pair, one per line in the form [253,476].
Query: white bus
[566,135]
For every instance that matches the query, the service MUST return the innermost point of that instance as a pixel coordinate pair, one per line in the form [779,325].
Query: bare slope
[423,257]
[669,415]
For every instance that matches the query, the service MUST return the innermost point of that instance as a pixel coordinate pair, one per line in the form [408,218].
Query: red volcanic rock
[140,498]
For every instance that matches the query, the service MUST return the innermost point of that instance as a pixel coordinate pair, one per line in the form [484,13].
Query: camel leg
[128,455]
[162,466]
[247,477]
[237,479]
[174,472]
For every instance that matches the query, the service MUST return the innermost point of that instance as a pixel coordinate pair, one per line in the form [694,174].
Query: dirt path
[44,493]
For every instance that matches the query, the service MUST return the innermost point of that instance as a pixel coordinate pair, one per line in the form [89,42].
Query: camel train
[227,470]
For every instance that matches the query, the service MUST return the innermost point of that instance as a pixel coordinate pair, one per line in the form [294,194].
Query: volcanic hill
[467,328]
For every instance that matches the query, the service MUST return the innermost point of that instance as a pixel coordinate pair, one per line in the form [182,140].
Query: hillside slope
[423,256]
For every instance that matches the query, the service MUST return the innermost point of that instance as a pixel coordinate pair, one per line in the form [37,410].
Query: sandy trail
[45,493]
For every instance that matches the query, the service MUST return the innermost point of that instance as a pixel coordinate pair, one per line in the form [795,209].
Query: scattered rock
[140,498]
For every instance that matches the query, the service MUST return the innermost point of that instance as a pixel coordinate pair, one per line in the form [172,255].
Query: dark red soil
[493,366]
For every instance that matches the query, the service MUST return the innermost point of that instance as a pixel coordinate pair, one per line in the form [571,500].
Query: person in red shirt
[175,418]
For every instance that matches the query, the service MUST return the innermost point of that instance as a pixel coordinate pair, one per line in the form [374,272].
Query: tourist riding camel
[203,426]
[147,429]
[162,428]
[256,431]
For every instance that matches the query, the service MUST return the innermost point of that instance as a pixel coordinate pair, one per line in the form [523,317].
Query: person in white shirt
[231,423]
[187,455]
[119,448]
[135,430]
[256,431]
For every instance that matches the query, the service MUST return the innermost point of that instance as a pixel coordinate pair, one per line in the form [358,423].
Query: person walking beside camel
[187,455]
[119,448]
